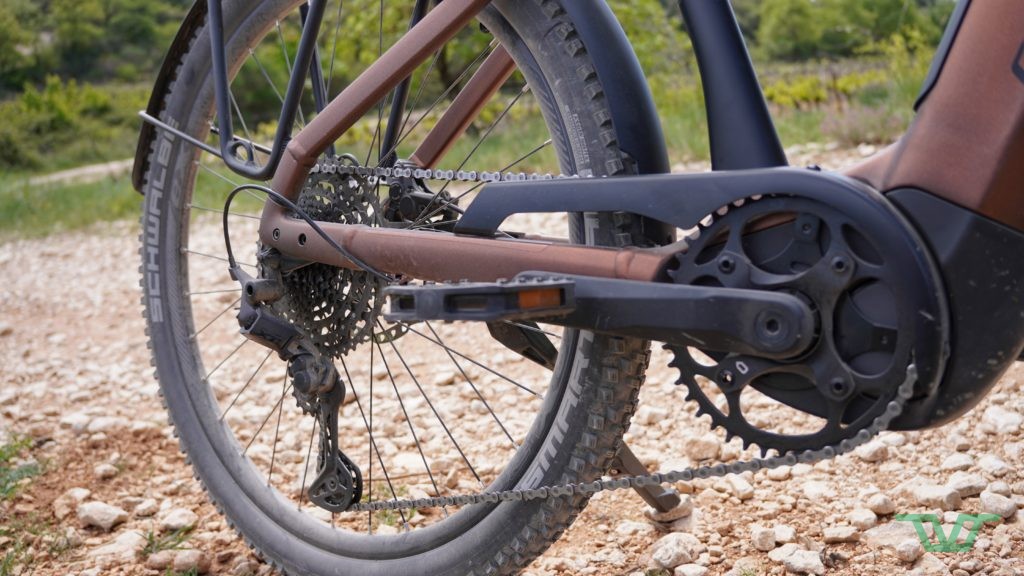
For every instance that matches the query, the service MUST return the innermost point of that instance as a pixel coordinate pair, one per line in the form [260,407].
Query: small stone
[5,330]
[960,442]
[685,508]
[881,504]
[889,534]
[445,379]
[71,538]
[780,474]
[674,549]
[998,420]
[244,567]
[817,491]
[994,465]
[908,549]
[178,519]
[122,550]
[862,518]
[967,484]
[942,497]
[929,565]
[704,447]
[105,471]
[690,570]
[78,422]
[873,451]
[783,552]
[191,560]
[160,560]
[147,508]
[784,534]
[740,487]
[630,528]
[68,502]
[992,503]
[101,515]
[762,538]
[958,461]
[1000,487]
[838,534]
[804,562]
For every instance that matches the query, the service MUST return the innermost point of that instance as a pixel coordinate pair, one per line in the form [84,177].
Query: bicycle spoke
[221,211]
[476,147]
[267,419]
[277,430]
[408,420]
[473,386]
[434,410]
[334,46]
[226,358]
[193,335]
[369,482]
[204,292]
[467,358]
[532,329]
[214,257]
[246,385]
[373,442]
[288,64]
[305,467]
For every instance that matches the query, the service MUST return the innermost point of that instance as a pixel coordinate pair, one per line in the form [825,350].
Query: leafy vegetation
[12,472]
[156,542]
[73,74]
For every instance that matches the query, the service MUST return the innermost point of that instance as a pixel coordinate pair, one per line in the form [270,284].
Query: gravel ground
[115,489]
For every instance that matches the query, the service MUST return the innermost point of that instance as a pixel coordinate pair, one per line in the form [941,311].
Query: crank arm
[766,324]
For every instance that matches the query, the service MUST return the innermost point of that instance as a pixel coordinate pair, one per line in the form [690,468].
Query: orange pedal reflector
[541,298]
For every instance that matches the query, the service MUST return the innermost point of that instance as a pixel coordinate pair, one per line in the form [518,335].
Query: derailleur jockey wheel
[863,298]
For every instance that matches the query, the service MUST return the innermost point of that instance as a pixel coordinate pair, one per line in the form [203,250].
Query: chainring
[864,338]
[337,308]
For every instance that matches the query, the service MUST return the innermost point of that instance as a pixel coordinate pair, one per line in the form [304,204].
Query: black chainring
[864,343]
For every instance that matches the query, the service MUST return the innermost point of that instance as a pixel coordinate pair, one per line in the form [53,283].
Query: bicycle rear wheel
[436,409]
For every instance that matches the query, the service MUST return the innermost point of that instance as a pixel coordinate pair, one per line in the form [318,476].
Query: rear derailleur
[316,385]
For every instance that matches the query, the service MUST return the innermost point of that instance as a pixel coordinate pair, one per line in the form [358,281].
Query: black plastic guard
[983,270]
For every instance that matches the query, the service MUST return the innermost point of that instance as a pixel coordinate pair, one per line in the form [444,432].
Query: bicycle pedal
[482,301]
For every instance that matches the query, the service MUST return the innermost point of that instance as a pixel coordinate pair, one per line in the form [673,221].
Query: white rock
[957,461]
[908,549]
[105,424]
[967,483]
[762,538]
[191,560]
[702,448]
[817,491]
[690,570]
[862,518]
[992,503]
[994,465]
[101,515]
[630,528]
[784,534]
[648,415]
[804,562]
[881,504]
[1000,487]
[779,474]
[873,451]
[77,422]
[942,497]
[104,471]
[740,487]
[161,559]
[837,534]
[998,420]
[68,502]
[674,549]
[122,550]
[146,508]
[889,534]
[783,552]
[929,565]
[685,508]
[178,519]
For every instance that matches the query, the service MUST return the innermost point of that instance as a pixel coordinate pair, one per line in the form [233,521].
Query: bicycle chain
[335,166]
[880,423]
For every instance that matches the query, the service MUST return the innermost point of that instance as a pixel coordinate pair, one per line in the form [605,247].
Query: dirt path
[76,378]
[85,174]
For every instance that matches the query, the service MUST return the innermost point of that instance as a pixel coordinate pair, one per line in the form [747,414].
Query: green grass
[156,542]
[13,475]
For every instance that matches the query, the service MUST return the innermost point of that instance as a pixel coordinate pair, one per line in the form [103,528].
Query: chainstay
[880,423]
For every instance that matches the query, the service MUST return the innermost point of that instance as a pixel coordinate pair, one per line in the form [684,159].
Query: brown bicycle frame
[966,145]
